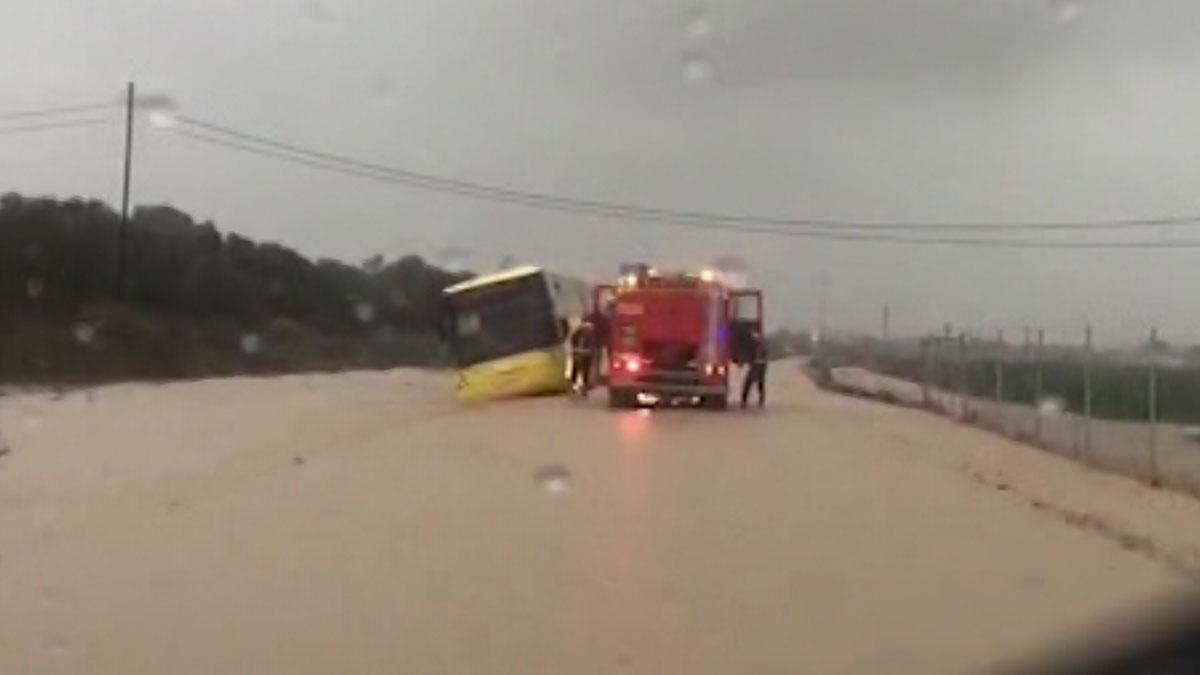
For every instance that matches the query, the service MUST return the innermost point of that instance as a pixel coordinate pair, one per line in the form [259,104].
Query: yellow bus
[508,331]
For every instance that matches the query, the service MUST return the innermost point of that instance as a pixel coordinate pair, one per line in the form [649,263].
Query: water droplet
[364,312]
[84,332]
[383,87]
[697,69]
[555,479]
[698,25]
[34,288]
[57,646]
[1050,406]
[251,343]
[163,120]
[298,460]
[398,297]
[1066,11]
[5,448]
[276,288]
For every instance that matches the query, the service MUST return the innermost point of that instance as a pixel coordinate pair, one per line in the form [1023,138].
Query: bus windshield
[501,319]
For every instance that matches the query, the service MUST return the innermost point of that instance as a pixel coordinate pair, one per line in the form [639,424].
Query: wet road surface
[365,523]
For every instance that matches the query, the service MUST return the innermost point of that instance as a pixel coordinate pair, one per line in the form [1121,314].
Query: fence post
[1087,391]
[1037,386]
[1152,412]
[999,366]
[963,408]
[926,366]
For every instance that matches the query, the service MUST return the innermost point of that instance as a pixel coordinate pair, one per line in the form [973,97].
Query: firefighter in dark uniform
[583,352]
[756,371]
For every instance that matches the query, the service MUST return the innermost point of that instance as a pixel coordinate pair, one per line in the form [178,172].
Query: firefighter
[756,370]
[583,351]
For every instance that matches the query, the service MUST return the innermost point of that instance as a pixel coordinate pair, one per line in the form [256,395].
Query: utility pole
[887,323]
[124,226]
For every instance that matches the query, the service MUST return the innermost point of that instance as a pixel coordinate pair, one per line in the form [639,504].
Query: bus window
[509,318]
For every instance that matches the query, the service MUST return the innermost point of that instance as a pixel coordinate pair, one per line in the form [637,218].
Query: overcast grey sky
[908,110]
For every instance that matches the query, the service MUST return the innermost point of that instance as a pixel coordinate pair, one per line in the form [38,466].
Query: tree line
[59,260]
[64,253]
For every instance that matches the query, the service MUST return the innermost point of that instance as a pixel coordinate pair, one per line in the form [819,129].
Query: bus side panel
[527,374]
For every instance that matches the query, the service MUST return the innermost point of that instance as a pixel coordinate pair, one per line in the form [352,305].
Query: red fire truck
[673,337]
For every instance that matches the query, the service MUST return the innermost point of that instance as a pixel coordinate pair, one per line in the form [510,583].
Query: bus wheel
[619,399]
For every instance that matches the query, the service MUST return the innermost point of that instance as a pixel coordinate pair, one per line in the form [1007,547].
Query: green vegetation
[194,302]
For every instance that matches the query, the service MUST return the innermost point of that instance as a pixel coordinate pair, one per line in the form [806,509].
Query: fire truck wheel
[619,399]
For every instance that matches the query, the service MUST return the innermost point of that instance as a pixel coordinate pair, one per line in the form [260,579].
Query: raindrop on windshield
[697,69]
[34,288]
[84,332]
[251,343]
[1066,11]
[1051,406]
[555,479]
[397,297]
[163,120]
[698,25]
[364,312]
[383,87]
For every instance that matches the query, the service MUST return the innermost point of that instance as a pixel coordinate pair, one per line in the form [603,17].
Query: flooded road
[364,522]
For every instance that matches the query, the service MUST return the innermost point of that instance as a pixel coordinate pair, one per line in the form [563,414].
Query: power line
[728,227]
[50,112]
[30,128]
[641,212]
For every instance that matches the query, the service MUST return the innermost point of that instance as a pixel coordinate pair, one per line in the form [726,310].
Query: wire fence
[1135,411]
